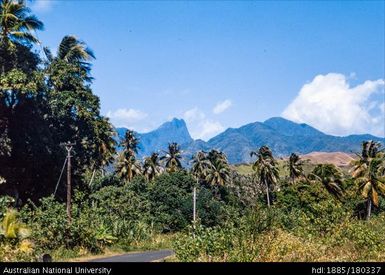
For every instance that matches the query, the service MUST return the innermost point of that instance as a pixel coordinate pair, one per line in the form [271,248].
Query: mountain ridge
[281,135]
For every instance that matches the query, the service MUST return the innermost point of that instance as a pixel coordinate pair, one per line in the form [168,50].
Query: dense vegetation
[291,211]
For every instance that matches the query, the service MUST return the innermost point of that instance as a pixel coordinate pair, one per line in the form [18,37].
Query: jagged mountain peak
[175,123]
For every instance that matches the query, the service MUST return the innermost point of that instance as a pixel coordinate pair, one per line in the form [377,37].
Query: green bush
[169,195]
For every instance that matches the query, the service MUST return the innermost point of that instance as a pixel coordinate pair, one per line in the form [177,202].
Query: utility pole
[194,207]
[68,147]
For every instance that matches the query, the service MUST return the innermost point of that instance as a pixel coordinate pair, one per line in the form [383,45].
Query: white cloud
[382,107]
[126,117]
[193,115]
[222,106]
[200,127]
[329,104]
[209,129]
[42,5]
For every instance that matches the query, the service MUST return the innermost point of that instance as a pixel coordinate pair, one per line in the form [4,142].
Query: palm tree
[75,52]
[17,24]
[127,167]
[266,169]
[368,172]
[152,167]
[130,143]
[200,166]
[295,167]
[218,169]
[105,147]
[106,143]
[330,177]
[172,157]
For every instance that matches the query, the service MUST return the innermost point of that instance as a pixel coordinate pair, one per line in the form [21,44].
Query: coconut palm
[266,169]
[217,172]
[71,51]
[127,167]
[130,143]
[106,143]
[330,177]
[105,148]
[17,24]
[368,172]
[152,167]
[172,157]
[370,150]
[200,166]
[295,167]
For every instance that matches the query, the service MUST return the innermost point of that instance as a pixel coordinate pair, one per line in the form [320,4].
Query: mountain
[158,139]
[281,135]
[289,128]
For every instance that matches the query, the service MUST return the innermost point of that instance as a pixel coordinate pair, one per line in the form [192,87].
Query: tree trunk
[368,208]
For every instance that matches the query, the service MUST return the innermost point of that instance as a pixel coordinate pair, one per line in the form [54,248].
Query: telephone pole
[194,208]
[68,147]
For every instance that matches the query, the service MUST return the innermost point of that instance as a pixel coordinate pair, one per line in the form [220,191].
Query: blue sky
[224,64]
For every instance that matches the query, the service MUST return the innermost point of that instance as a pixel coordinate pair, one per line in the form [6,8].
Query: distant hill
[281,135]
[337,158]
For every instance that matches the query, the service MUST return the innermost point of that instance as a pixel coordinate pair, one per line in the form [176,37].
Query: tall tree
[172,158]
[17,27]
[73,51]
[130,143]
[75,109]
[266,169]
[17,23]
[368,172]
[127,166]
[218,170]
[43,105]
[200,166]
[152,167]
[295,167]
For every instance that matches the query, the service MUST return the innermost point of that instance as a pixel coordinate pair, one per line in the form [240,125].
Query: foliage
[172,158]
[266,170]
[43,104]
[369,173]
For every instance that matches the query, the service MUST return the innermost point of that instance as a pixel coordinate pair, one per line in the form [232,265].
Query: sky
[221,64]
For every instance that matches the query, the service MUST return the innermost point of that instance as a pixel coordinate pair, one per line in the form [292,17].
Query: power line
[61,174]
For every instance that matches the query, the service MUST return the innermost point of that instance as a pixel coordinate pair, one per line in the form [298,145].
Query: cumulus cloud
[42,5]
[331,105]
[209,129]
[222,106]
[200,126]
[126,117]
[193,115]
